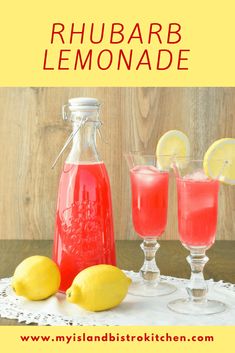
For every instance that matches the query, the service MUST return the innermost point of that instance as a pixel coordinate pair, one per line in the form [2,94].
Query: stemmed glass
[197,221]
[149,186]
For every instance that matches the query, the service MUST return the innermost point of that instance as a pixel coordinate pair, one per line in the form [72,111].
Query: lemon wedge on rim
[173,143]
[219,161]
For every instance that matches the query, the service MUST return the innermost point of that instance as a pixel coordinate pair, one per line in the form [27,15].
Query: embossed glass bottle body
[84,233]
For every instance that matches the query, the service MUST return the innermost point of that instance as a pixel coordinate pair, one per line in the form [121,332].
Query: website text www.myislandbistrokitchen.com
[116,337]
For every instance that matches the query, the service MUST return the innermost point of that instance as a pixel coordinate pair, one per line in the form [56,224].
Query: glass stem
[197,288]
[149,271]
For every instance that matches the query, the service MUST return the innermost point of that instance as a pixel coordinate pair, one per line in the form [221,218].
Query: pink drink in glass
[197,210]
[149,200]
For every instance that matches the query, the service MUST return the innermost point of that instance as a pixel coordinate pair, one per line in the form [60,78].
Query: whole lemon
[36,278]
[98,288]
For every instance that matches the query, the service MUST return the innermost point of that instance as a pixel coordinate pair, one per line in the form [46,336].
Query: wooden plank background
[32,132]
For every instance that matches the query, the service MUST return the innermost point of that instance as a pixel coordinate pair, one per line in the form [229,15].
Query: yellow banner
[122,43]
[115,340]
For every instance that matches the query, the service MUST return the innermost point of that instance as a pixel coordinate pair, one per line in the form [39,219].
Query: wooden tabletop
[170,258]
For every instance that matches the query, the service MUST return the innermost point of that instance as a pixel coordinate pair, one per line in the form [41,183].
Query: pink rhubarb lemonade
[84,230]
[149,200]
[197,210]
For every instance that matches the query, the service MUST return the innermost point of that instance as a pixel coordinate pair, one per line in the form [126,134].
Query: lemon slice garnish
[219,161]
[173,144]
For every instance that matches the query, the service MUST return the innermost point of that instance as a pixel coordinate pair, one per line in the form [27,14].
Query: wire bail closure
[70,112]
[69,139]
[64,113]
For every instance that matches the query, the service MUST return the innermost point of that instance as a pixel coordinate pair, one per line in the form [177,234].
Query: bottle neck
[84,143]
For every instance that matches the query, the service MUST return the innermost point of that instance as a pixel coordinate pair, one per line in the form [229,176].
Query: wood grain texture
[32,132]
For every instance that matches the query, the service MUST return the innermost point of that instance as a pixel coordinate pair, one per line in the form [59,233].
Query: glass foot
[188,307]
[147,289]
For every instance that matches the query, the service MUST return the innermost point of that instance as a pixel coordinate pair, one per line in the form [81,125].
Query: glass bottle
[84,234]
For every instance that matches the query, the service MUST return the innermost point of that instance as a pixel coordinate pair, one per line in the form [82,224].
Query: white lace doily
[134,310]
